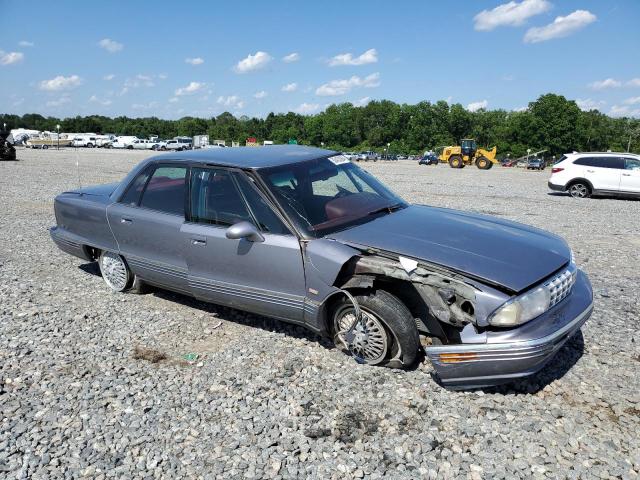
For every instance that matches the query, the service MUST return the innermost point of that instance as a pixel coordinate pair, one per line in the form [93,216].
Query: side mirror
[244,230]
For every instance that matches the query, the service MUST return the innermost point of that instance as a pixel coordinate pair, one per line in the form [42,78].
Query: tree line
[550,123]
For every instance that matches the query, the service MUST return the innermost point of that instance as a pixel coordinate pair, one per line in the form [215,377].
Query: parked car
[159,145]
[179,144]
[142,144]
[508,163]
[587,174]
[88,142]
[304,235]
[123,141]
[428,159]
[366,156]
[535,164]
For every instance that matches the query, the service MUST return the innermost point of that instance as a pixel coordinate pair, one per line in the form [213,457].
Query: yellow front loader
[468,153]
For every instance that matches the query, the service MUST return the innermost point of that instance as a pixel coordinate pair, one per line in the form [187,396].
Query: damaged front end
[452,312]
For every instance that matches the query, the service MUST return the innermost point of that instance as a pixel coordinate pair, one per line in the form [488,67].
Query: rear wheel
[455,161]
[580,190]
[385,336]
[114,271]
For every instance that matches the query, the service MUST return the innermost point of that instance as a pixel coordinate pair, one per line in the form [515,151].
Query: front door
[604,173]
[265,277]
[630,180]
[147,222]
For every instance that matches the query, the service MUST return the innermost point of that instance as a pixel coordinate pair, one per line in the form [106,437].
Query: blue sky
[173,59]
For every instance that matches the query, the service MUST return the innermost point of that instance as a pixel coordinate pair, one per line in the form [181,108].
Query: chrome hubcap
[114,271]
[370,342]
[579,191]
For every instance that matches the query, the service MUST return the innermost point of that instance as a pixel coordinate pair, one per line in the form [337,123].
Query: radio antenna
[78,170]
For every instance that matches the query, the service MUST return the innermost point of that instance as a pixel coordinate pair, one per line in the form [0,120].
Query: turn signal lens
[556,170]
[457,357]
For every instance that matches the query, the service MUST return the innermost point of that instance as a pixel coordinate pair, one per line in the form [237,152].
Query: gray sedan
[304,235]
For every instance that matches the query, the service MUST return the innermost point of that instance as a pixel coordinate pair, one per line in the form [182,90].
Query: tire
[130,147]
[396,342]
[483,163]
[115,271]
[45,147]
[455,161]
[579,190]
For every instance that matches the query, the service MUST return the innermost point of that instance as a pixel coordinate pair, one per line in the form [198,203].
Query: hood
[499,251]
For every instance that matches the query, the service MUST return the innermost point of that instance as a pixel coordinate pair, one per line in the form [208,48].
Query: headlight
[522,309]
[534,303]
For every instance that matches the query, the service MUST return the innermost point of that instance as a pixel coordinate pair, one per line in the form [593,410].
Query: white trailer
[200,141]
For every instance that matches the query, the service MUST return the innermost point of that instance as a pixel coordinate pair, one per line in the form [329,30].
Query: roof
[610,154]
[249,157]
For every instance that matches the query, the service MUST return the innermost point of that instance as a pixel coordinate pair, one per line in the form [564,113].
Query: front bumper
[514,353]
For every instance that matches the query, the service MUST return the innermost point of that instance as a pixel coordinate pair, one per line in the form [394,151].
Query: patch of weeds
[149,354]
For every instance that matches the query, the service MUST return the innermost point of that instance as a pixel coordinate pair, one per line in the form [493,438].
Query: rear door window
[165,190]
[133,193]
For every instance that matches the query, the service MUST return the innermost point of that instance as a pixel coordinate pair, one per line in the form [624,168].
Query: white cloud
[59,102]
[60,83]
[139,81]
[341,87]
[232,101]
[111,76]
[634,82]
[173,99]
[307,108]
[475,106]
[370,56]
[110,46]
[10,58]
[292,57]
[194,61]
[632,101]
[624,111]
[25,43]
[362,102]
[560,27]
[144,106]
[589,104]
[103,102]
[190,89]
[162,76]
[511,14]
[290,87]
[260,94]
[607,83]
[253,62]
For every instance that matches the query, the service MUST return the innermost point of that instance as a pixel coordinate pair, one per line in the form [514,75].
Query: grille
[560,286]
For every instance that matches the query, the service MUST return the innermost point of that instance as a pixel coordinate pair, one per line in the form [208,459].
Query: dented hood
[502,252]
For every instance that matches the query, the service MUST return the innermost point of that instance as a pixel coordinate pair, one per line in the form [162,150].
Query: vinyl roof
[249,157]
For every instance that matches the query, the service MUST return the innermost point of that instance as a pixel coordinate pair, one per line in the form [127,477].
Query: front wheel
[386,334]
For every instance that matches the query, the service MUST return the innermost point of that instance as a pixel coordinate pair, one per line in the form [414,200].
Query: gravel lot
[80,395]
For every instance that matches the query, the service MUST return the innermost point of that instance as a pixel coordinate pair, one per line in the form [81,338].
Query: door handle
[125,220]
[590,171]
[198,241]
[626,174]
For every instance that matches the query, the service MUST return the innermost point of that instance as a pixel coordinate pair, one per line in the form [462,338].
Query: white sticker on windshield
[338,159]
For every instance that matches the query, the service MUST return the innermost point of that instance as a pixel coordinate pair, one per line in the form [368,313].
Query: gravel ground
[95,384]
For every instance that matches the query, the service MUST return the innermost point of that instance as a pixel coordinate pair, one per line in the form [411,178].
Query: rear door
[630,180]
[147,221]
[264,277]
[604,173]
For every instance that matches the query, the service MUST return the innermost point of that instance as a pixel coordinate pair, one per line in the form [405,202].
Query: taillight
[556,170]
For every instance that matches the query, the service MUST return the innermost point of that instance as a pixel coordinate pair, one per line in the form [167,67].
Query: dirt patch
[149,354]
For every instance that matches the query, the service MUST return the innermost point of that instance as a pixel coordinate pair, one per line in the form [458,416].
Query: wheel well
[92,253]
[404,290]
[579,180]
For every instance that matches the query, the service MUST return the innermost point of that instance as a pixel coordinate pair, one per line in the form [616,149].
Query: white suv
[586,174]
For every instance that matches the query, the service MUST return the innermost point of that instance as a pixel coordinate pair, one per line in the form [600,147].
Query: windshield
[328,194]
